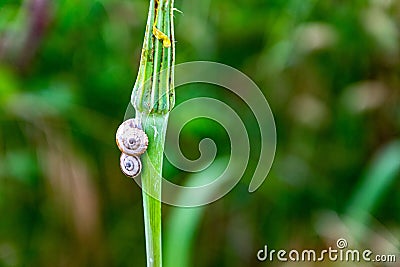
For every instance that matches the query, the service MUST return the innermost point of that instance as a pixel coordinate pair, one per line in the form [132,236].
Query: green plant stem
[155,126]
[153,97]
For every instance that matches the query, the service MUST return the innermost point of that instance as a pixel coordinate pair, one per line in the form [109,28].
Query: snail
[133,142]
[131,139]
[130,165]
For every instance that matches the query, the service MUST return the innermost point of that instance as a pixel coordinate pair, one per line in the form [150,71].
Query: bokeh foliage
[329,69]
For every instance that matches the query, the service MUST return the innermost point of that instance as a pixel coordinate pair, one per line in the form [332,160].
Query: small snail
[131,139]
[130,165]
[133,142]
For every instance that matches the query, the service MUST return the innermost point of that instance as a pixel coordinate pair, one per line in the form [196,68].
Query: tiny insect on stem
[162,36]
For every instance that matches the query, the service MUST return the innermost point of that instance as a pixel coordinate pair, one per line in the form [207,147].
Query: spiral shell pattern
[130,165]
[131,139]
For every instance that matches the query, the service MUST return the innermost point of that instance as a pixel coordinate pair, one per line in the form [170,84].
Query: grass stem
[153,97]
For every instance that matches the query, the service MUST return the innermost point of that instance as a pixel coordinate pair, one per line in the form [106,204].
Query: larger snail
[131,139]
[133,142]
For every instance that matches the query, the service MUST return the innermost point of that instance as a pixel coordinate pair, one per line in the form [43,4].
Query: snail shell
[131,139]
[130,165]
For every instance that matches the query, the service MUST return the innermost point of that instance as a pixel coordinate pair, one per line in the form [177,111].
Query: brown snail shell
[131,139]
[130,165]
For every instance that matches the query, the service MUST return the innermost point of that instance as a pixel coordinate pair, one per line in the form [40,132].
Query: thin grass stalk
[153,98]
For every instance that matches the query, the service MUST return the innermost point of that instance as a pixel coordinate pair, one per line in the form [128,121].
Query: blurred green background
[329,69]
